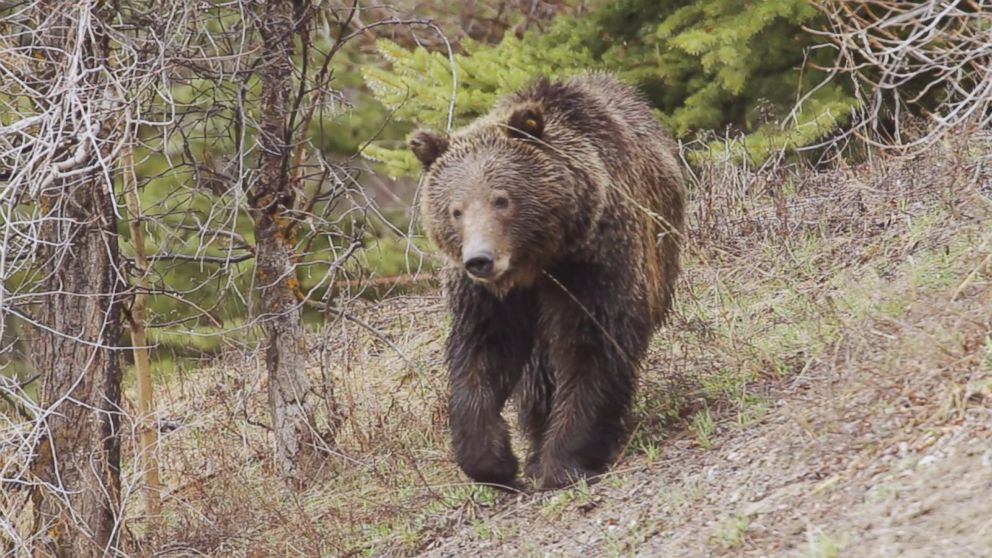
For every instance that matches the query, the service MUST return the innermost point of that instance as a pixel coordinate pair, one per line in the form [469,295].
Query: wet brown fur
[592,232]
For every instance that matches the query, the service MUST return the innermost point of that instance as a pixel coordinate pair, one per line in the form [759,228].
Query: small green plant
[484,531]
[410,535]
[578,495]
[750,409]
[690,492]
[704,426]
[824,546]
[649,448]
[470,494]
[733,531]
[616,546]
[614,481]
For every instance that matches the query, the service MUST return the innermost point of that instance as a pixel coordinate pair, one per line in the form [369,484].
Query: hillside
[824,388]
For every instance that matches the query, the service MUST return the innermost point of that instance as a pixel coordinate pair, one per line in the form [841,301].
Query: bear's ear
[526,123]
[427,145]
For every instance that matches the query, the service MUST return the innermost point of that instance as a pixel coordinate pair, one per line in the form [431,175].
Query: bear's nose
[480,264]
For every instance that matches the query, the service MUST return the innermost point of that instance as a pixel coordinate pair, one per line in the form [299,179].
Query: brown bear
[561,212]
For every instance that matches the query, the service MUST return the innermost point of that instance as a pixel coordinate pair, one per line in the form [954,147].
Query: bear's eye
[456,213]
[501,202]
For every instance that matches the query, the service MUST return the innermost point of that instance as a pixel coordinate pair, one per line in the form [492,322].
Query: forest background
[191,183]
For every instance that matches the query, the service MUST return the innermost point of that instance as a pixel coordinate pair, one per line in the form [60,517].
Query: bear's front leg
[598,333]
[534,395]
[490,342]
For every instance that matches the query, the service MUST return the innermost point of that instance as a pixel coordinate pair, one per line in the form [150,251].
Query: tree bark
[272,198]
[80,459]
[77,503]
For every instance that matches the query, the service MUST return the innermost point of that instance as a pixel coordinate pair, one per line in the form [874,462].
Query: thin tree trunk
[290,396]
[142,364]
[78,504]
[80,459]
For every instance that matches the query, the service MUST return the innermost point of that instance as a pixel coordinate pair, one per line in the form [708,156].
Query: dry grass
[226,497]
[823,316]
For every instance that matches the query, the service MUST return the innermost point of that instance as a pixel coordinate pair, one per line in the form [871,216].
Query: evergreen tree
[706,65]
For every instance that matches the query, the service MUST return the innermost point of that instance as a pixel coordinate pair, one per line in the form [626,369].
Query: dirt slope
[877,442]
[847,462]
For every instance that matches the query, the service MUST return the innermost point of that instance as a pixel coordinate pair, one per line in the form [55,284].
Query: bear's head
[508,196]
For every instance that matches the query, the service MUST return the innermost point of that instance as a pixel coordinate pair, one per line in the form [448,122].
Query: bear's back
[645,190]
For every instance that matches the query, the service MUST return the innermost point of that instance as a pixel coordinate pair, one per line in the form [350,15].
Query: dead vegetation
[825,383]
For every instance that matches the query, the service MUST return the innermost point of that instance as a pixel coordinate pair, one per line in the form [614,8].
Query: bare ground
[824,389]
[853,459]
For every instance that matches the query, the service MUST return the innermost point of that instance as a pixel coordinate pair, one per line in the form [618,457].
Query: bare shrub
[931,58]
